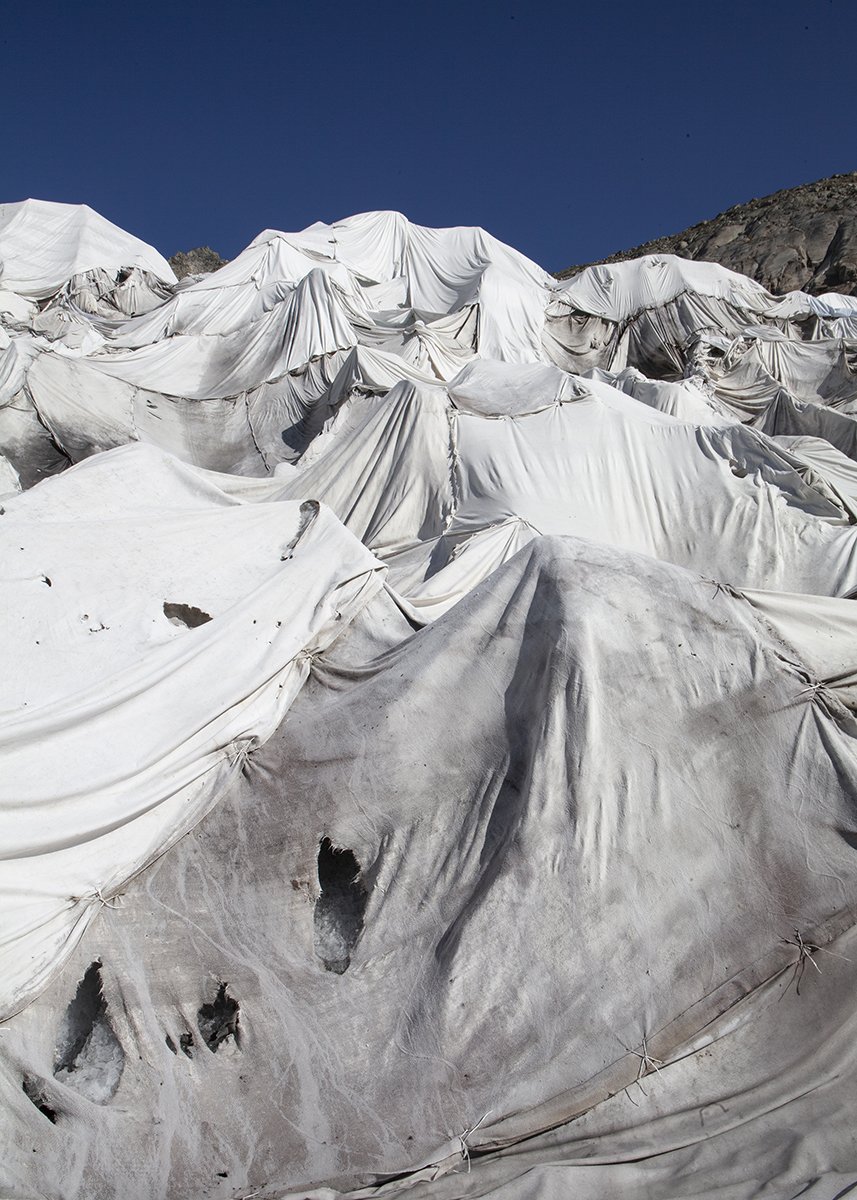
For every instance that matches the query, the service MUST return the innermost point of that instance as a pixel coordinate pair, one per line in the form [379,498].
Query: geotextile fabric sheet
[427,754]
[141,668]
[44,245]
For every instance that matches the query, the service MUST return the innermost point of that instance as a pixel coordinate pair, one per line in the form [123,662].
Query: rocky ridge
[199,261]
[802,237]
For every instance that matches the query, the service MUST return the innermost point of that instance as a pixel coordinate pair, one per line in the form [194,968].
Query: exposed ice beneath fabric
[339,909]
[89,1058]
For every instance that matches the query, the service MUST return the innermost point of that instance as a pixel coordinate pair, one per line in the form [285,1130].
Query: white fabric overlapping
[123,721]
[43,245]
[427,754]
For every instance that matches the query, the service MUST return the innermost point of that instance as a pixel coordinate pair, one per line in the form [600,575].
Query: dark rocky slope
[802,237]
[196,262]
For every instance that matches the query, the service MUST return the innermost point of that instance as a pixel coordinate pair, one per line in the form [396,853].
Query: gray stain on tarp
[309,510]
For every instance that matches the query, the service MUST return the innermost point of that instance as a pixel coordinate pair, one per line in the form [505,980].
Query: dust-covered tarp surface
[427,757]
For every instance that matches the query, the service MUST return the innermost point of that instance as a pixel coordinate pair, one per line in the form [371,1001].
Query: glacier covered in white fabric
[428,756]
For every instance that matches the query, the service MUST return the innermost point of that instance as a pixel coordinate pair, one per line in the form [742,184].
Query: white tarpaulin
[43,245]
[427,757]
[125,721]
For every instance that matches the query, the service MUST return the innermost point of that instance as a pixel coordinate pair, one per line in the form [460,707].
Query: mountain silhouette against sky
[803,237]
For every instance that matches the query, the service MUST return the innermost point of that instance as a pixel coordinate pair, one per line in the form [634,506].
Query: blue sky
[568,129]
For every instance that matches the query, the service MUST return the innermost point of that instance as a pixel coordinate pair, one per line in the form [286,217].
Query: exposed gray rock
[200,261]
[802,237]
